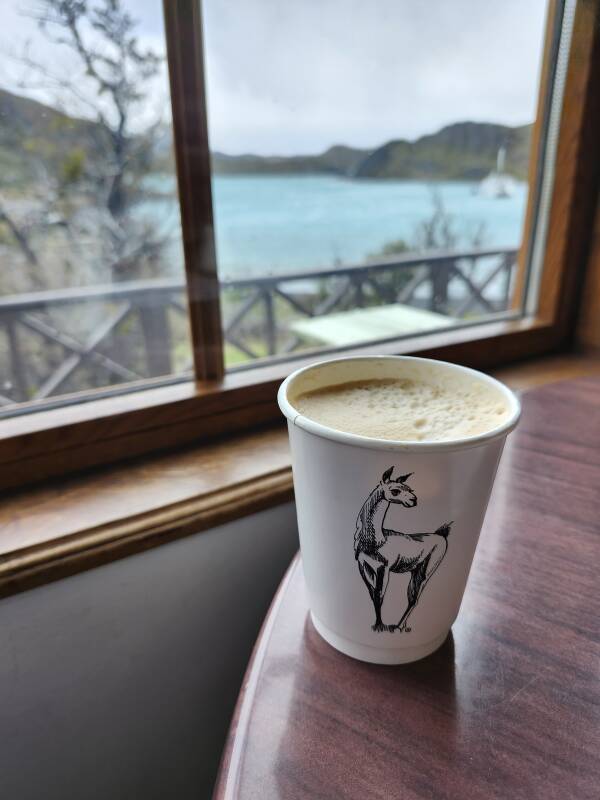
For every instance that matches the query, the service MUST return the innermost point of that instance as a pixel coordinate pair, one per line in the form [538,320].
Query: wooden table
[508,708]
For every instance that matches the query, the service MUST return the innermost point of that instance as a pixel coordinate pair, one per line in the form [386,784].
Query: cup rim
[405,446]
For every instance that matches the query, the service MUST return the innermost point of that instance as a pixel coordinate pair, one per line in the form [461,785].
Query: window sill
[67,440]
[77,523]
[68,526]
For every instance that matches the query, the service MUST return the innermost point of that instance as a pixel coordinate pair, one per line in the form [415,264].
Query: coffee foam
[433,407]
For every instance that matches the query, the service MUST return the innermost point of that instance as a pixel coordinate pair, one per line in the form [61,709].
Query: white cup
[432,495]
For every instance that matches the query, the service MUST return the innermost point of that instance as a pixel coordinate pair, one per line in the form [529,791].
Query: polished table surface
[508,708]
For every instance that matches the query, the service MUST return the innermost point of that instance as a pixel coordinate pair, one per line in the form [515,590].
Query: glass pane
[91,275]
[370,166]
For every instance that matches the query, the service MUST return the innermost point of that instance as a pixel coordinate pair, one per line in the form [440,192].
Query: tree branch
[20,236]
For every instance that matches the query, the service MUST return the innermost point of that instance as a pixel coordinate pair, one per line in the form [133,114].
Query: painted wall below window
[120,682]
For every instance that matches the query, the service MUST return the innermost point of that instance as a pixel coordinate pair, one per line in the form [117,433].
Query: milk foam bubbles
[433,408]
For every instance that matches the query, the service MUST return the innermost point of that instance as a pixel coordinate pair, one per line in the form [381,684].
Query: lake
[284,223]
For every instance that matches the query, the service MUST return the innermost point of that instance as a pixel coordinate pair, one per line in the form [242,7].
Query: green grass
[233,356]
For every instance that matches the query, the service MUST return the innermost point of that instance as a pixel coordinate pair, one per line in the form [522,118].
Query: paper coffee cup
[343,485]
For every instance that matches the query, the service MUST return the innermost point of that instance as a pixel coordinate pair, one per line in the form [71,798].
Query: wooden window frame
[63,440]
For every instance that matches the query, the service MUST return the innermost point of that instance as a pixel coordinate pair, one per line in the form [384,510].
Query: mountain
[462,151]
[30,128]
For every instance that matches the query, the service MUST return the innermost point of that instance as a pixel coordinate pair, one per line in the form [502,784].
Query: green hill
[465,150]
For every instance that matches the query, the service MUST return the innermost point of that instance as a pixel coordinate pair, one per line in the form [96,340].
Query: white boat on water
[498,183]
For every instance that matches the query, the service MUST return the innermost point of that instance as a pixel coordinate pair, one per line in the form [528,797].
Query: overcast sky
[295,76]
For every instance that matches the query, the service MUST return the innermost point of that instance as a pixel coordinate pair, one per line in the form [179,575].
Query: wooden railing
[77,339]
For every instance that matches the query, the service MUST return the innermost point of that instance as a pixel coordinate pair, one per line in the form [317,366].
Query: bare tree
[112,86]
[437,231]
[118,67]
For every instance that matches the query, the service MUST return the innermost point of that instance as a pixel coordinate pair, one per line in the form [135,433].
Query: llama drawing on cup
[379,550]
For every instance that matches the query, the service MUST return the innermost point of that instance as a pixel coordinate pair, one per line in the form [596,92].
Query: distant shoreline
[465,151]
[350,178]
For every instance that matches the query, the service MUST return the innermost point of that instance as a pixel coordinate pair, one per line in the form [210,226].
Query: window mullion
[183,30]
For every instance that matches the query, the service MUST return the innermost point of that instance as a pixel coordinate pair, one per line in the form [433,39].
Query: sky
[296,76]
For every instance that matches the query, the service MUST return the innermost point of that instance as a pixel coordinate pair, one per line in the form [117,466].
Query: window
[344,182]
[91,286]
[369,168]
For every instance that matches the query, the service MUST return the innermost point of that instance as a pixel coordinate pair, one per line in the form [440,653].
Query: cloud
[298,76]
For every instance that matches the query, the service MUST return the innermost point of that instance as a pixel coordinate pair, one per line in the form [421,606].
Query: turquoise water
[279,224]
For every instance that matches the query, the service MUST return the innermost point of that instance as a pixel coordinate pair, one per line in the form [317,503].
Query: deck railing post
[509,261]
[270,328]
[17,364]
[440,277]
[359,294]
[157,334]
